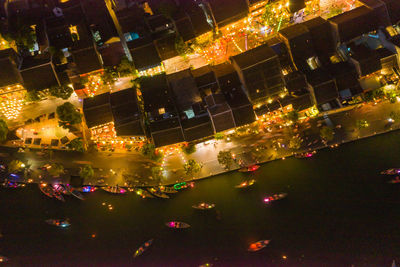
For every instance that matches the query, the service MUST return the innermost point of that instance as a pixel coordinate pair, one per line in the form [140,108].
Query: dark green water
[339,212]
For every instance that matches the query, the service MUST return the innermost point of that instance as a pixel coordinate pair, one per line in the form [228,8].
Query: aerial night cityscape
[200,133]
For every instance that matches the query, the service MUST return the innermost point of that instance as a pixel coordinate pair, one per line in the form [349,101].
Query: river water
[340,211]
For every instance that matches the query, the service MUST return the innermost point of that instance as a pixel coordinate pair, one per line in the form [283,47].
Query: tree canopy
[68,115]
[86,172]
[292,116]
[15,166]
[76,145]
[63,91]
[3,130]
[126,67]
[149,150]
[295,142]
[55,169]
[189,148]
[20,32]
[225,158]
[192,167]
[32,96]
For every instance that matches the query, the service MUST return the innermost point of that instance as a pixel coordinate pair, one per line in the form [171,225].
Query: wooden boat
[59,196]
[59,222]
[177,225]
[168,190]
[11,184]
[183,185]
[275,197]
[47,190]
[203,206]
[391,171]
[305,155]
[77,194]
[61,189]
[250,168]
[3,259]
[114,189]
[143,248]
[395,180]
[87,189]
[246,184]
[157,193]
[256,246]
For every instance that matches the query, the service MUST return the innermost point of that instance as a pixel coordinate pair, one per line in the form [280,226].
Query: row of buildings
[314,64]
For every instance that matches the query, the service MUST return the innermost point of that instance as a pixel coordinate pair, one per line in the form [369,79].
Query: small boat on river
[168,190]
[143,248]
[246,184]
[87,189]
[59,222]
[11,184]
[77,194]
[250,168]
[256,246]
[395,180]
[59,196]
[47,190]
[114,189]
[203,206]
[305,155]
[143,193]
[157,193]
[275,197]
[391,171]
[177,225]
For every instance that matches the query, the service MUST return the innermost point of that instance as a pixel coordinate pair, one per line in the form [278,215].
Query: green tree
[63,91]
[20,32]
[126,67]
[189,148]
[109,76]
[192,167]
[77,145]
[181,47]
[55,169]
[295,142]
[32,96]
[3,130]
[68,115]
[15,166]
[219,136]
[327,133]
[292,116]
[362,124]
[225,158]
[149,150]
[86,172]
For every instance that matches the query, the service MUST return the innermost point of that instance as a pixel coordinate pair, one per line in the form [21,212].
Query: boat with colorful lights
[157,193]
[87,189]
[250,168]
[246,184]
[305,155]
[143,193]
[391,171]
[395,180]
[203,206]
[3,259]
[143,248]
[114,189]
[11,184]
[59,196]
[275,197]
[168,190]
[177,225]
[256,246]
[47,190]
[59,222]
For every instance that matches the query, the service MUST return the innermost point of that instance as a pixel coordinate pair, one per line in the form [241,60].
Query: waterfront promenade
[131,168]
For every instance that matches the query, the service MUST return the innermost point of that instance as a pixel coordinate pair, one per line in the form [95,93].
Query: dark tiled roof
[185,28]
[296,5]
[39,78]
[393,7]
[345,74]
[87,59]
[368,59]
[184,89]
[254,56]
[166,46]
[9,73]
[296,82]
[155,93]
[293,31]
[225,10]
[166,132]
[97,110]
[197,128]
[145,57]
[302,102]
[241,107]
[322,36]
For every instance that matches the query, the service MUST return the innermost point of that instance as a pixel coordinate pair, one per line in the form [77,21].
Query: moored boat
[59,196]
[61,189]
[47,190]
[11,184]
[256,246]
[168,190]
[203,206]
[305,155]
[391,171]
[143,193]
[59,222]
[275,197]
[250,168]
[246,184]
[143,248]
[157,193]
[87,189]
[114,189]
[177,225]
[77,194]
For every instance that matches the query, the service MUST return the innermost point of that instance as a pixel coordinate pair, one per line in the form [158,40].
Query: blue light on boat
[13,175]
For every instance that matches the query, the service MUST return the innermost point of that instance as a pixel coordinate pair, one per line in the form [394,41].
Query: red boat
[395,180]
[177,225]
[275,197]
[391,171]
[256,246]
[250,168]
